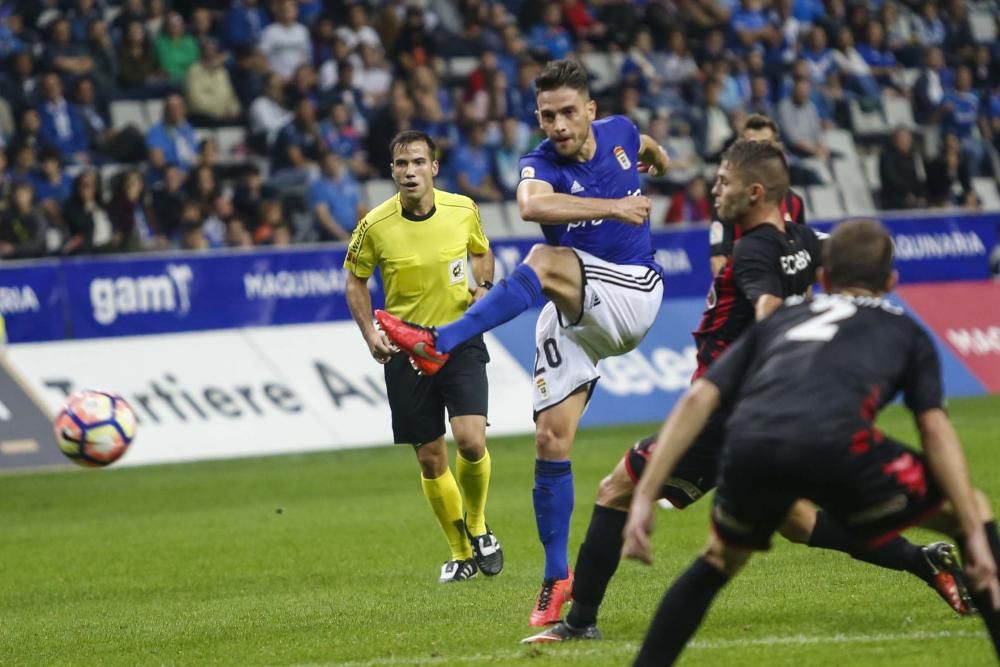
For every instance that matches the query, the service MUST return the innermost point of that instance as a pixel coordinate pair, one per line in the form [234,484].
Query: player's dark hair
[858,254]
[562,74]
[407,137]
[759,121]
[760,162]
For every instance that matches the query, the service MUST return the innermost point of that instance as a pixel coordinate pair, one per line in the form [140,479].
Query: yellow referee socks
[446,501]
[474,478]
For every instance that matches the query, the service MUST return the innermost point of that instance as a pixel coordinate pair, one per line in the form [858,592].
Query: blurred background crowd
[155,124]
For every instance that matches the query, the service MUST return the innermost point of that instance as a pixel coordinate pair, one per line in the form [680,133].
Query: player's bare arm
[538,202]
[766,304]
[653,158]
[483,267]
[947,461]
[685,422]
[359,300]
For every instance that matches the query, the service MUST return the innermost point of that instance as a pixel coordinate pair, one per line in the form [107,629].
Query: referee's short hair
[407,137]
[563,74]
[858,254]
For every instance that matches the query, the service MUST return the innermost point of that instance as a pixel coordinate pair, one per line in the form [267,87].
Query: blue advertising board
[149,294]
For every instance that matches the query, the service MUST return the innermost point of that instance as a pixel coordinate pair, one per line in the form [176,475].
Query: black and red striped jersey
[722,235]
[766,260]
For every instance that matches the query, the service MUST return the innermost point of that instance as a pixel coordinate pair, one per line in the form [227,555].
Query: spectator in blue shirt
[961,107]
[993,117]
[335,201]
[81,16]
[172,141]
[243,23]
[515,140]
[297,149]
[62,55]
[10,42]
[62,126]
[808,11]
[473,167]
[550,37]
[52,184]
[818,56]
[749,25]
[881,61]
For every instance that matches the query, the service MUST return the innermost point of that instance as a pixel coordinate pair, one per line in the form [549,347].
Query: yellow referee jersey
[424,260]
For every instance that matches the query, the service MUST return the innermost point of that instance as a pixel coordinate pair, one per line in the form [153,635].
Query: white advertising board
[247,392]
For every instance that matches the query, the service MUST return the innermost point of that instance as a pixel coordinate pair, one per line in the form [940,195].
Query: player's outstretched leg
[416,341]
[687,601]
[936,564]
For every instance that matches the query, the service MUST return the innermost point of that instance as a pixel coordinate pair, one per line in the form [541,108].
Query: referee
[422,240]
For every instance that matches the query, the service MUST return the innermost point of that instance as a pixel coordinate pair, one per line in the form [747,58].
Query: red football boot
[416,341]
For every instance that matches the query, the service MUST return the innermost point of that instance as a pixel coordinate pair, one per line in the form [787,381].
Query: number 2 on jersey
[822,327]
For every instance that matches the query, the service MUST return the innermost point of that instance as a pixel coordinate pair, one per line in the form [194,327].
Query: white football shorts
[620,302]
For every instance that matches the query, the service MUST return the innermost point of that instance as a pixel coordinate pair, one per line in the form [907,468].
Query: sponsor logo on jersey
[622,158]
[527,172]
[576,187]
[792,264]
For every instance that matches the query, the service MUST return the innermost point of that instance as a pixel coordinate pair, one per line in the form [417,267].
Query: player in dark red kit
[804,387]
[770,262]
[722,235]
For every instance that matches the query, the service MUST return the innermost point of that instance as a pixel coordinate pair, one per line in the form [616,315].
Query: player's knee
[726,559]
[799,524]
[551,445]
[615,491]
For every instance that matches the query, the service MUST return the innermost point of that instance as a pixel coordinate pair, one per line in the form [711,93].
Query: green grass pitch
[332,559]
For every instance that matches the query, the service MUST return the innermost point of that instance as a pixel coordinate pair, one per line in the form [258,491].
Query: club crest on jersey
[527,172]
[543,389]
[622,158]
[456,270]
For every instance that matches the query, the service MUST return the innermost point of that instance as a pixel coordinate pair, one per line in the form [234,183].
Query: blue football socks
[553,496]
[508,299]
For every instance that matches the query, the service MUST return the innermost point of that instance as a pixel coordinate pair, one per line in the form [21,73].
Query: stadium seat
[825,202]
[154,111]
[871,170]
[986,190]
[658,210]
[898,112]
[870,124]
[932,141]
[129,112]
[231,142]
[518,227]
[983,25]
[858,200]
[494,221]
[842,141]
[602,69]
[379,190]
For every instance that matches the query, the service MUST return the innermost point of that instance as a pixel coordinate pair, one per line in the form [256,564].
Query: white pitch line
[528,653]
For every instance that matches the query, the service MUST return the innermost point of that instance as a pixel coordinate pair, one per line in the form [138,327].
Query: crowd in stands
[319,88]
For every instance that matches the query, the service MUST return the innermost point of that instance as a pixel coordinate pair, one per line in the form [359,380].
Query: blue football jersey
[610,174]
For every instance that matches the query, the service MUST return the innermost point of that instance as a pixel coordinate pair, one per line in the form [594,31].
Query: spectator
[297,149]
[250,193]
[985,72]
[961,107]
[958,41]
[268,113]
[22,226]
[62,55]
[472,164]
[168,201]
[856,73]
[582,22]
[690,205]
[132,11]
[243,24]
[335,201]
[53,186]
[928,28]
[286,44]
[192,233]
[138,65]
[132,216]
[902,187]
[156,17]
[549,38]
[304,84]
[210,94]
[373,76]
[246,74]
[760,97]
[515,137]
[340,137]
[712,128]
[102,52]
[81,17]
[19,85]
[357,33]
[929,90]
[176,50]
[993,118]
[172,141]
[677,66]
[271,228]
[11,27]
[415,45]
[62,126]
[202,26]
[818,56]
[398,116]
[237,234]
[800,123]
[121,144]
[328,71]
[639,68]
[749,25]
[26,148]
[202,187]
[89,226]
[881,61]
[347,93]
[949,182]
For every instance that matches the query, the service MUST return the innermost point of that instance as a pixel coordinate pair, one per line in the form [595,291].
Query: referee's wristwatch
[486,285]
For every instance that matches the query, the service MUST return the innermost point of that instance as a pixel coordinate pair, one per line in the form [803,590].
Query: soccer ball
[94,428]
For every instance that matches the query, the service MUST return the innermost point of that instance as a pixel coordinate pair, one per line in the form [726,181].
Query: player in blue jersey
[597,272]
